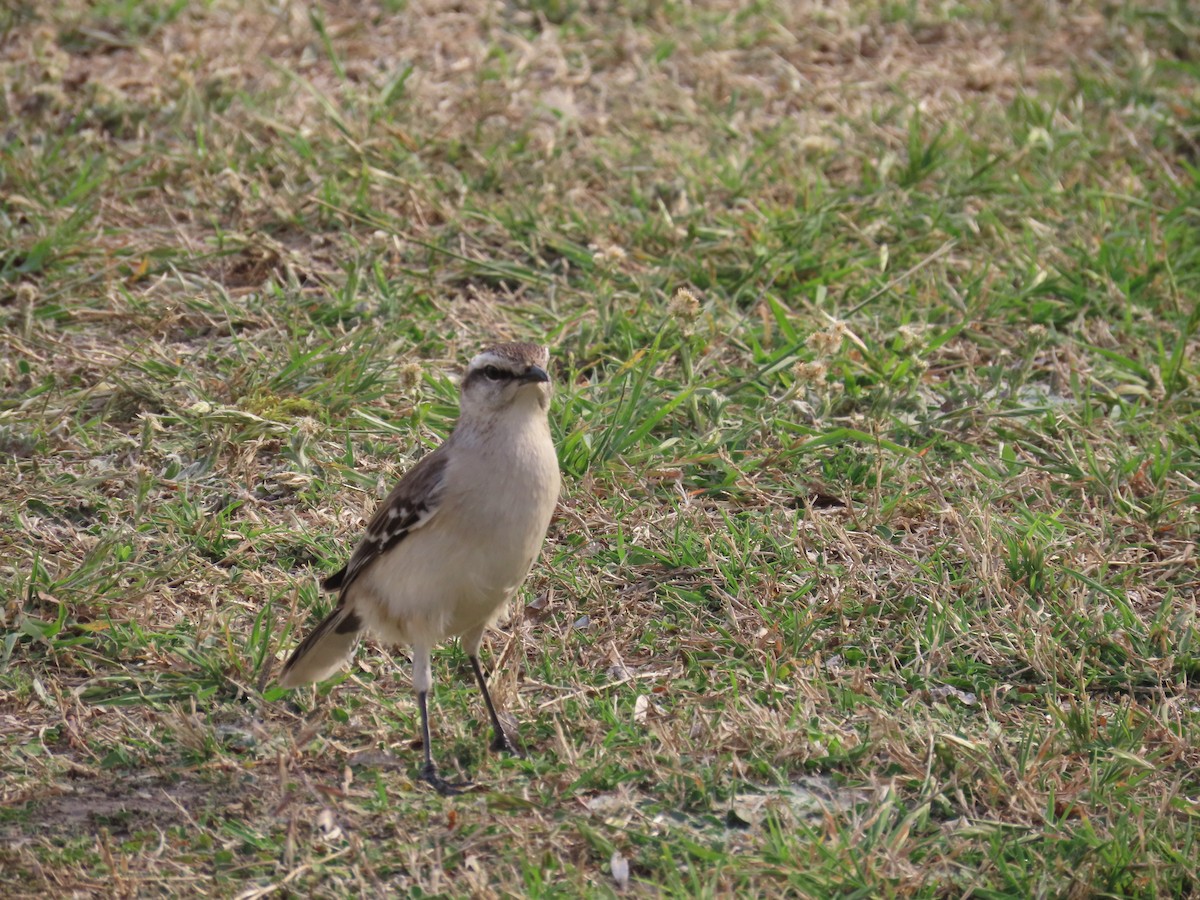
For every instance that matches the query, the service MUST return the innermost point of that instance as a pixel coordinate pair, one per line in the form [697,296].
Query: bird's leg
[500,740]
[422,681]
[429,771]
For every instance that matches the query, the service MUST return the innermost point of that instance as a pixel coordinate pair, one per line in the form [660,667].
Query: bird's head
[506,376]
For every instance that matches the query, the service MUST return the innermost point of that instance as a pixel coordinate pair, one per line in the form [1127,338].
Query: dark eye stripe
[488,373]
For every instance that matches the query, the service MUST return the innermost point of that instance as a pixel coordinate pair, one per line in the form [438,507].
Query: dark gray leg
[500,739]
[429,772]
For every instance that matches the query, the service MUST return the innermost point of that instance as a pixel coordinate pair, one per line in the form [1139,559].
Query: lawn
[874,330]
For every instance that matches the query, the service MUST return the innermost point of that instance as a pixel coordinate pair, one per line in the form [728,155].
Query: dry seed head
[410,376]
[684,304]
[608,255]
[26,295]
[810,373]
[827,342]
[910,337]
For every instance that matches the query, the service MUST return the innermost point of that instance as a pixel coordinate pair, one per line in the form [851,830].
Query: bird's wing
[410,505]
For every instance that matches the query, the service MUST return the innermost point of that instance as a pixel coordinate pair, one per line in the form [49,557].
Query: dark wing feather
[411,504]
[324,650]
[334,581]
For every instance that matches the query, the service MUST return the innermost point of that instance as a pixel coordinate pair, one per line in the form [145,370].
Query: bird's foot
[501,743]
[429,774]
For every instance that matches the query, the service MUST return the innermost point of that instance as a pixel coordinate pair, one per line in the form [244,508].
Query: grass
[875,329]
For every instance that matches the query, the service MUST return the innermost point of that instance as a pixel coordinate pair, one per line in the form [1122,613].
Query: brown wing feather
[411,504]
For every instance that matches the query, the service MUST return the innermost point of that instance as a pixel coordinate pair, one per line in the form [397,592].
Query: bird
[453,541]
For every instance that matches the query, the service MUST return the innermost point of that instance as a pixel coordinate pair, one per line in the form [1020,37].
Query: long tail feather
[322,653]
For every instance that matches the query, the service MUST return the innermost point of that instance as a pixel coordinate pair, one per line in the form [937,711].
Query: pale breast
[455,573]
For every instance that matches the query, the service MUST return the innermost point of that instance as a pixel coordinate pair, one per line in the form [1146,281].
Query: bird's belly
[433,587]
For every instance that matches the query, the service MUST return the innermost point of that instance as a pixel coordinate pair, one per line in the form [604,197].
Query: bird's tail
[322,653]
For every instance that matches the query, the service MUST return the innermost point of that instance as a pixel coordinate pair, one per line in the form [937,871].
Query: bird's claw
[429,774]
[502,744]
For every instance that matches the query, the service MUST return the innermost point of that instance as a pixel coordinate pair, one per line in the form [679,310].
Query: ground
[874,330]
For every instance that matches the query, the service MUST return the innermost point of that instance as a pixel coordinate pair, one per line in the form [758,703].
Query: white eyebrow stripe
[488,358]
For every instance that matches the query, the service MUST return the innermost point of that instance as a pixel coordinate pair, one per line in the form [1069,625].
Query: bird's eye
[491,373]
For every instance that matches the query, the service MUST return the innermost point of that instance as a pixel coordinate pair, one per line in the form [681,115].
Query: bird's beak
[533,374]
